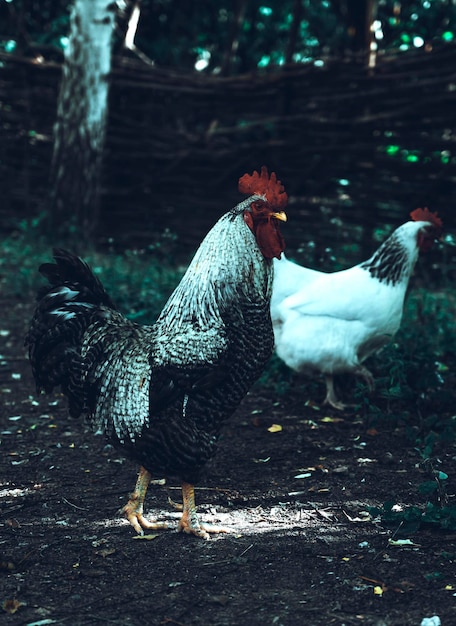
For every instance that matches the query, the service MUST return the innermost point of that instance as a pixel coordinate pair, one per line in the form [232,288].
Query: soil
[303,548]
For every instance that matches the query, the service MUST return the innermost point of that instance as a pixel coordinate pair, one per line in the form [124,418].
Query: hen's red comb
[424,215]
[264,185]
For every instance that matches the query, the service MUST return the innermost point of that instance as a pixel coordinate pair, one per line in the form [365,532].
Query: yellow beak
[281,215]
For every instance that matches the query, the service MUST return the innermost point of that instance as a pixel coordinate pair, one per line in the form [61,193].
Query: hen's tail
[74,300]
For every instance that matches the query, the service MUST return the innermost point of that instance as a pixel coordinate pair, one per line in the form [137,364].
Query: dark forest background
[352,103]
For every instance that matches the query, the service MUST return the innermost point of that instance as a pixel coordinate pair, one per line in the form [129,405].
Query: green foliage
[415,388]
[415,155]
[410,519]
[22,252]
[139,281]
[168,31]
[251,35]
[277,376]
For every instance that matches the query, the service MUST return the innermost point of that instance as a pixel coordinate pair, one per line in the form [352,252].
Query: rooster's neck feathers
[395,259]
[228,268]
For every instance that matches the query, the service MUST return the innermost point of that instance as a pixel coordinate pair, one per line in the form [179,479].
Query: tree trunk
[80,127]
[357,17]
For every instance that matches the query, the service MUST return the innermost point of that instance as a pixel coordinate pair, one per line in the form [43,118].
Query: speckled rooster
[161,393]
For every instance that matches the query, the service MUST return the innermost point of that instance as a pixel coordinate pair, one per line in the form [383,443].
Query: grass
[138,281]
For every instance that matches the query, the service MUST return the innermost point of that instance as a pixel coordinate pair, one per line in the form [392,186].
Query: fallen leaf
[7,566]
[275,428]
[310,423]
[104,552]
[12,522]
[362,517]
[373,432]
[378,591]
[331,420]
[147,537]
[11,606]
[342,469]
[403,543]
[221,600]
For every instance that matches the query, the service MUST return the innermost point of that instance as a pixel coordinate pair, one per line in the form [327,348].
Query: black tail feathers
[71,271]
[74,299]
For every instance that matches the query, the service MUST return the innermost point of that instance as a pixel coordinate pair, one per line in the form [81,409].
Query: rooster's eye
[258,205]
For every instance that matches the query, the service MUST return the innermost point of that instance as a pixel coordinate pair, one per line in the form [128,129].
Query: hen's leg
[367,376]
[331,397]
[133,510]
[189,522]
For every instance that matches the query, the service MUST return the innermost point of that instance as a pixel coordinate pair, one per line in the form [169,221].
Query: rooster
[331,322]
[161,393]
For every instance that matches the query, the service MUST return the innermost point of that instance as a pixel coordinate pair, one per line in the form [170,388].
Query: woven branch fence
[356,148]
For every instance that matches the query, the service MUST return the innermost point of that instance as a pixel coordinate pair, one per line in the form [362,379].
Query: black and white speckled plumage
[393,262]
[160,392]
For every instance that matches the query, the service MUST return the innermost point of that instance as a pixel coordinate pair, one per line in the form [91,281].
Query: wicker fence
[357,149]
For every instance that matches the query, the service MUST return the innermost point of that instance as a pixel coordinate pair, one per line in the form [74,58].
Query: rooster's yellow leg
[133,510]
[189,522]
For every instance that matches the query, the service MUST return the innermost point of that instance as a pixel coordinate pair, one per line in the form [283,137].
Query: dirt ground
[302,549]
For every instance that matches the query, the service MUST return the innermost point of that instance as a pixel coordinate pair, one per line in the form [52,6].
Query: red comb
[264,185]
[424,215]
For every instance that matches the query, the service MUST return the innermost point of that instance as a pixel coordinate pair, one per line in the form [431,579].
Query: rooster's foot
[133,510]
[189,522]
[191,525]
[134,515]
[175,505]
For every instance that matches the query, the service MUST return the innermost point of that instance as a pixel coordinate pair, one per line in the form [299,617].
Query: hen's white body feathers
[331,322]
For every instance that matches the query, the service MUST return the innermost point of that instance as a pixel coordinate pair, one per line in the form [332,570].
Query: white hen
[331,322]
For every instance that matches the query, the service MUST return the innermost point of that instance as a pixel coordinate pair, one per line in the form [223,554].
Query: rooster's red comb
[424,215]
[264,185]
